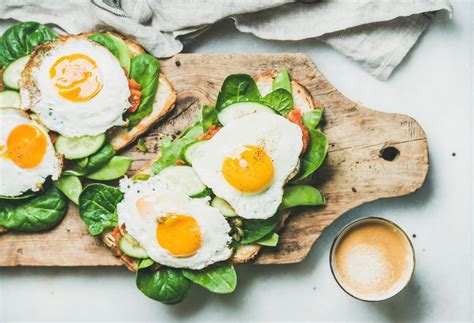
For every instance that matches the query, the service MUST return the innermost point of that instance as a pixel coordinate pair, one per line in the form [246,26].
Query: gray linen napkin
[375,33]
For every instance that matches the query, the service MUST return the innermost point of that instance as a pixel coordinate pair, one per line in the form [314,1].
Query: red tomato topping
[209,133]
[295,117]
[135,95]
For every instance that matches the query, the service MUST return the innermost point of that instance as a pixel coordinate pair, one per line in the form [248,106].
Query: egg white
[281,140]
[213,226]
[15,180]
[69,118]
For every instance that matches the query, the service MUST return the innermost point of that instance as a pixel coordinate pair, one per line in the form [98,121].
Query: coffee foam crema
[372,259]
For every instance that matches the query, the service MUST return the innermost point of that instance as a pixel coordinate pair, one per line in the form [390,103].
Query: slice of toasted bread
[119,137]
[244,253]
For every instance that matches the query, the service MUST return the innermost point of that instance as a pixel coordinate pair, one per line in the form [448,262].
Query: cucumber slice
[131,247]
[238,110]
[190,150]
[223,207]
[79,147]
[185,179]
[9,99]
[12,73]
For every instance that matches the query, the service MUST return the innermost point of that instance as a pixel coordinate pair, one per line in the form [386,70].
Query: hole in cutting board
[389,153]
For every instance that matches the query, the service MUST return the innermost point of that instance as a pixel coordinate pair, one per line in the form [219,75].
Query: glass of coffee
[372,259]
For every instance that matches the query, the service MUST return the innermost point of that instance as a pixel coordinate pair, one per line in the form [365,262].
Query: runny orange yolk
[179,234]
[26,146]
[76,77]
[250,171]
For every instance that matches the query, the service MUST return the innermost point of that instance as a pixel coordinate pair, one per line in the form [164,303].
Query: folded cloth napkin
[375,33]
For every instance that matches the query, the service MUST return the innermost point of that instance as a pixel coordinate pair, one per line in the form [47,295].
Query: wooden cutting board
[359,167]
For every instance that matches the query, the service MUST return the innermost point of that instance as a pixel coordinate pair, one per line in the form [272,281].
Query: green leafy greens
[97,207]
[219,278]
[105,41]
[237,88]
[20,40]
[314,155]
[167,285]
[145,69]
[38,213]
[173,151]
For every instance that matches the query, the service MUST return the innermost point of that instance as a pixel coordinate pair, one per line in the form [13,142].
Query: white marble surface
[434,85]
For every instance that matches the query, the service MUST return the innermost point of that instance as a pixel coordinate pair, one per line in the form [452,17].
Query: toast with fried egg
[244,252]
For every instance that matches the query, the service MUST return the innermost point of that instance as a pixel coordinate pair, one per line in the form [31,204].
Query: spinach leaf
[145,69]
[167,285]
[279,100]
[105,41]
[219,278]
[113,169]
[71,187]
[36,214]
[255,229]
[95,161]
[97,206]
[20,40]
[174,151]
[270,240]
[209,117]
[301,195]
[237,88]
[282,81]
[311,119]
[314,155]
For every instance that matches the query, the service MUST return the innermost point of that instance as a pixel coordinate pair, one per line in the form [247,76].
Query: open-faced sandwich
[89,95]
[216,194]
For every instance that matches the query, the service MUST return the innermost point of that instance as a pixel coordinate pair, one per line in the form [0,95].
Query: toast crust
[244,253]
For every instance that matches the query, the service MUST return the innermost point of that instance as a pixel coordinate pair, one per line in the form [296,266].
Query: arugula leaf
[174,151]
[314,155]
[311,119]
[255,229]
[282,81]
[301,195]
[167,285]
[237,88]
[105,41]
[20,40]
[279,100]
[145,69]
[97,207]
[219,278]
[39,213]
[209,117]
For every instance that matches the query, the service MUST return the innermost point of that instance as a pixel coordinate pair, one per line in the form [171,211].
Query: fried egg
[27,156]
[76,87]
[174,229]
[249,160]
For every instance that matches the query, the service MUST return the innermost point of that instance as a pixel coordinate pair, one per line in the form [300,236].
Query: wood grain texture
[354,172]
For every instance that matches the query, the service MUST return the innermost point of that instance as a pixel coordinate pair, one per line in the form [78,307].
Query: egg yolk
[179,234]
[76,77]
[26,146]
[250,171]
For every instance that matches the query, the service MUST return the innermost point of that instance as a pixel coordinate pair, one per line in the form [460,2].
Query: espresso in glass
[372,259]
